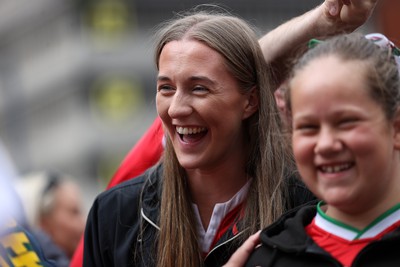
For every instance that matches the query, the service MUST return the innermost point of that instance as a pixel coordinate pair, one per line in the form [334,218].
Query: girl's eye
[347,122]
[306,127]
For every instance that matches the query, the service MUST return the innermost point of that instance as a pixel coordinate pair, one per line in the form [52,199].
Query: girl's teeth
[332,169]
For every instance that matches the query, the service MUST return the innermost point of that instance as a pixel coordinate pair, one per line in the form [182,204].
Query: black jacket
[286,244]
[119,216]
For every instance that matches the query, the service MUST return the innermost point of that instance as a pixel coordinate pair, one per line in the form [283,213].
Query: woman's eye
[165,89]
[200,89]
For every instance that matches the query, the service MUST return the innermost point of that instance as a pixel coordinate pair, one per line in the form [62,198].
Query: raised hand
[346,15]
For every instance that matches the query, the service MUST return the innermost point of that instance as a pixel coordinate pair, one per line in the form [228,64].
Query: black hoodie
[286,244]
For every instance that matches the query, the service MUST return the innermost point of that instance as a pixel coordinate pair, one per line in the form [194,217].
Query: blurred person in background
[18,246]
[54,208]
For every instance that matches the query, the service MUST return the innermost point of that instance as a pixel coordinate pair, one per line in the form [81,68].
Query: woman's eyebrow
[192,78]
[163,78]
[202,78]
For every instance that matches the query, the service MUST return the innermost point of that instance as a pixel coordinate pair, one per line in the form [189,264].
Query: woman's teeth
[190,130]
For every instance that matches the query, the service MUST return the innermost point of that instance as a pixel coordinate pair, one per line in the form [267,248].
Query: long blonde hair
[267,160]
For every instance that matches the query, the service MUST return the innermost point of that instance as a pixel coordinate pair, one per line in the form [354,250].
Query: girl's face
[201,106]
[345,148]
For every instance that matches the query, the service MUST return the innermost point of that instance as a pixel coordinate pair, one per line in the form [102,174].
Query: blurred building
[77,80]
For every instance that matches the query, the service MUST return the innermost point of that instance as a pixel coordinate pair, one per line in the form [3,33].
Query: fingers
[345,15]
[333,7]
[241,255]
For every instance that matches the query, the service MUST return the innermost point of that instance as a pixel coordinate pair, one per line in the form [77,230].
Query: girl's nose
[328,142]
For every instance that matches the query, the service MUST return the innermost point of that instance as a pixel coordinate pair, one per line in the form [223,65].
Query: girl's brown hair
[382,73]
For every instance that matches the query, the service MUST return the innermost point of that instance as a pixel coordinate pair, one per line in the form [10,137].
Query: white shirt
[220,210]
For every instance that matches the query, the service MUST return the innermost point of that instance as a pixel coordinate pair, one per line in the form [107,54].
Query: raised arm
[330,18]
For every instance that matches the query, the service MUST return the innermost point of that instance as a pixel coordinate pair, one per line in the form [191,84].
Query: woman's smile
[191,134]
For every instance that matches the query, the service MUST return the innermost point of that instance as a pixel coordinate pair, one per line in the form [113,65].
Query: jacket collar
[288,232]
[151,196]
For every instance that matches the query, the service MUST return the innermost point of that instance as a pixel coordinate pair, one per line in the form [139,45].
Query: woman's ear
[396,128]
[252,102]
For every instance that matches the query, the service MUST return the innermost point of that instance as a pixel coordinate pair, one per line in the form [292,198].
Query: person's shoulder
[121,204]
[129,185]
[131,189]
[286,235]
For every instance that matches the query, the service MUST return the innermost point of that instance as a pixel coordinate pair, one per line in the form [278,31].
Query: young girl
[344,99]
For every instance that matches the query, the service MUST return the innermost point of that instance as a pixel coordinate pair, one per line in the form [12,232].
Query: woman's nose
[180,106]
